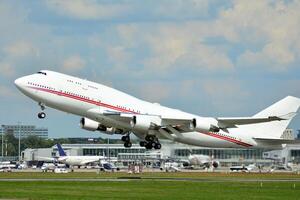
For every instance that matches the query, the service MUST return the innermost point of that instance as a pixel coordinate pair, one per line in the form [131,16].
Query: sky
[208,57]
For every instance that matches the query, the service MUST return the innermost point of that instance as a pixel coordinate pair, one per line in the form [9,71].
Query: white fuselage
[78,96]
[79,160]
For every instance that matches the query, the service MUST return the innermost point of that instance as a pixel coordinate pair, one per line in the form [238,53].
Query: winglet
[60,150]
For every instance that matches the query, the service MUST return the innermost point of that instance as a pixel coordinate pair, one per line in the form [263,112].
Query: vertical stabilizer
[60,150]
[285,108]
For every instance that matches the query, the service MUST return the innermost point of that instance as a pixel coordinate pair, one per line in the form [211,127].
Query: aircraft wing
[46,158]
[173,124]
[85,162]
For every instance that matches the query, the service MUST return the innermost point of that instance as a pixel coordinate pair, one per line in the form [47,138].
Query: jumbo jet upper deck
[108,110]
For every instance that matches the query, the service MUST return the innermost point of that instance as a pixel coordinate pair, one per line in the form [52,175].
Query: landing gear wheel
[157,146]
[149,138]
[41,115]
[127,144]
[149,145]
[143,143]
[125,138]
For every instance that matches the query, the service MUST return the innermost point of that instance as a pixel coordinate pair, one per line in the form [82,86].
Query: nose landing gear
[42,115]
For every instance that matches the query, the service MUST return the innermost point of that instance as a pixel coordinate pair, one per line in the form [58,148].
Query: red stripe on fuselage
[227,139]
[84,100]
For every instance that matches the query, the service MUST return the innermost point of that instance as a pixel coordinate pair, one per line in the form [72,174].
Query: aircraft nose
[19,82]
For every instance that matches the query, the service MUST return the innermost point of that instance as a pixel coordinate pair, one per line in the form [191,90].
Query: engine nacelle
[88,124]
[144,122]
[204,124]
[215,164]
[92,125]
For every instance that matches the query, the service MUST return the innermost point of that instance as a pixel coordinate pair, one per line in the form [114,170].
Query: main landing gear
[126,140]
[151,141]
[42,115]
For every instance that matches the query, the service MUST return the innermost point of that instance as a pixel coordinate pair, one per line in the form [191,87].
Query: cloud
[178,9]
[118,55]
[275,57]
[6,69]
[21,49]
[6,92]
[88,10]
[154,91]
[73,63]
[268,29]
[225,95]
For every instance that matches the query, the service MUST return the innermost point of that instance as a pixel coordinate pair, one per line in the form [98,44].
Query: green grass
[227,186]
[148,190]
[196,175]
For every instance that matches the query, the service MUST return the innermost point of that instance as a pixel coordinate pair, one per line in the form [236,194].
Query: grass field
[227,186]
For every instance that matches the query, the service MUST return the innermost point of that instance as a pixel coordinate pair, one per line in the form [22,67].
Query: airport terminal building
[175,151]
[24,131]
[226,157]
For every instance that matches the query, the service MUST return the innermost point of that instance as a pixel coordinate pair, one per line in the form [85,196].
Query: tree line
[11,143]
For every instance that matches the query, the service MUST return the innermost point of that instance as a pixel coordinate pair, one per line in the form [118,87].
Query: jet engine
[144,122]
[92,125]
[215,164]
[89,124]
[204,125]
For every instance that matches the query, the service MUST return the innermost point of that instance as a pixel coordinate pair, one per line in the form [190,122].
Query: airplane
[114,112]
[204,161]
[73,160]
[171,167]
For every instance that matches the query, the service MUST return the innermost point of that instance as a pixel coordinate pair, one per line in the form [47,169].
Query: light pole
[2,141]
[19,152]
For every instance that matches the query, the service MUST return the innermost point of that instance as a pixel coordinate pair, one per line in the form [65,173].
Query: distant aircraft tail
[286,109]
[60,150]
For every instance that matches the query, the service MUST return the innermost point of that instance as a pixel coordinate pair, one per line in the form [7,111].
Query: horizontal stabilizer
[232,122]
[269,141]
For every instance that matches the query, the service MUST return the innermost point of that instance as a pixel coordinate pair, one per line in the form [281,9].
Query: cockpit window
[44,73]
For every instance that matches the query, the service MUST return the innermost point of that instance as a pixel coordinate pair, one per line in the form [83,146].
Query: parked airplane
[171,166]
[203,161]
[73,160]
[105,109]
[76,160]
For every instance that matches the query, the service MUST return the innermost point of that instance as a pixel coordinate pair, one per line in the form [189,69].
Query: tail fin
[285,108]
[60,150]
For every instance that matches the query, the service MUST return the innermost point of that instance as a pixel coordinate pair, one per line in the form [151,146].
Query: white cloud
[73,63]
[154,91]
[225,95]
[270,27]
[91,9]
[6,69]
[118,55]
[6,92]
[182,8]
[21,49]
[183,46]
